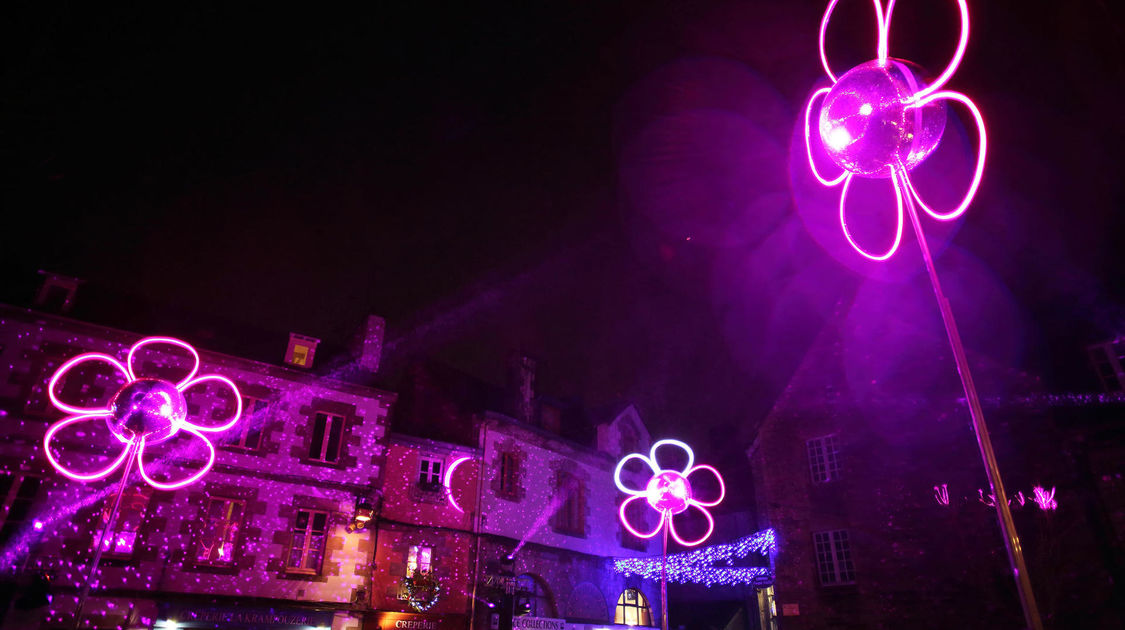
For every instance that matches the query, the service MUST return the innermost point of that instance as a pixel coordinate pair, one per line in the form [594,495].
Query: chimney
[301,350]
[521,387]
[56,294]
[367,344]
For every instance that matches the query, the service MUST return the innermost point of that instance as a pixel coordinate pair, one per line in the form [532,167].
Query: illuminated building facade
[880,504]
[314,514]
[266,539]
[535,487]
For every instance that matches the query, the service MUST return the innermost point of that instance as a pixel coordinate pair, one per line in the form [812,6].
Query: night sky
[606,186]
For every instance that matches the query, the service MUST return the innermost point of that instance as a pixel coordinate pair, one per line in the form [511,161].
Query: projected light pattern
[668,492]
[143,412]
[880,120]
[701,566]
[1045,500]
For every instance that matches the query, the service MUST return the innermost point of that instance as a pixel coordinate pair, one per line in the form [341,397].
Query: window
[429,470]
[327,430]
[219,539]
[419,560]
[633,609]
[531,598]
[834,557]
[1108,359]
[306,551]
[570,518]
[509,473]
[247,433]
[122,539]
[17,495]
[824,459]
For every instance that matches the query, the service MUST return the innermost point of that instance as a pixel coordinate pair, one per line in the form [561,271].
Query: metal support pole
[1007,526]
[101,542]
[664,576]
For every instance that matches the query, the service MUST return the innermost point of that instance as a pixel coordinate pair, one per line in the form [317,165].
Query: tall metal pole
[1007,525]
[664,576]
[101,542]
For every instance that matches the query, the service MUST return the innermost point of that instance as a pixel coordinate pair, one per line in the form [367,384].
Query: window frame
[427,463]
[621,610]
[824,458]
[509,473]
[333,422]
[414,565]
[570,518]
[250,409]
[235,541]
[307,546]
[833,554]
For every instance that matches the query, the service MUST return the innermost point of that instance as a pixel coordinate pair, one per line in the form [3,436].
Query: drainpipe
[477,526]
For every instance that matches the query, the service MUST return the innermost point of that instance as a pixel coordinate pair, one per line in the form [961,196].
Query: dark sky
[604,185]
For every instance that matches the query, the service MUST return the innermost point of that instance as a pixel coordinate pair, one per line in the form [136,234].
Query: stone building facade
[265,536]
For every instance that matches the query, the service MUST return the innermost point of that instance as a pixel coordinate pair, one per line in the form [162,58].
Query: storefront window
[633,609]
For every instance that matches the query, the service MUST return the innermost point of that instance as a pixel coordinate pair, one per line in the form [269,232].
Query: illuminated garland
[413,589]
[699,566]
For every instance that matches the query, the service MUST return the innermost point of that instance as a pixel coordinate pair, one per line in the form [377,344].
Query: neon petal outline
[101,474]
[957,56]
[881,50]
[808,144]
[65,367]
[670,442]
[710,527]
[449,477]
[183,482]
[237,400]
[898,229]
[632,530]
[621,465]
[881,44]
[982,151]
[170,341]
[722,486]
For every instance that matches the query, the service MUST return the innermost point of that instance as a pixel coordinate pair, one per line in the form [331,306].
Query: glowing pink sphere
[147,407]
[668,492]
[866,126]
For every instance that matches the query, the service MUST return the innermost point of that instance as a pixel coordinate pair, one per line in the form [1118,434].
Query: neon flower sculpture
[143,412]
[880,120]
[668,492]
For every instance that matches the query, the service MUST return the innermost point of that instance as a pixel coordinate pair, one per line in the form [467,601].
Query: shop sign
[538,623]
[790,610]
[232,618]
[414,621]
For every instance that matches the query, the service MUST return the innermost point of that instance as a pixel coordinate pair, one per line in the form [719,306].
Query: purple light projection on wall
[668,492]
[143,412]
[1039,495]
[880,120]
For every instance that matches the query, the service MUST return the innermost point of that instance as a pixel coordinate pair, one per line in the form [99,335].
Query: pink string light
[143,411]
[911,111]
[668,492]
